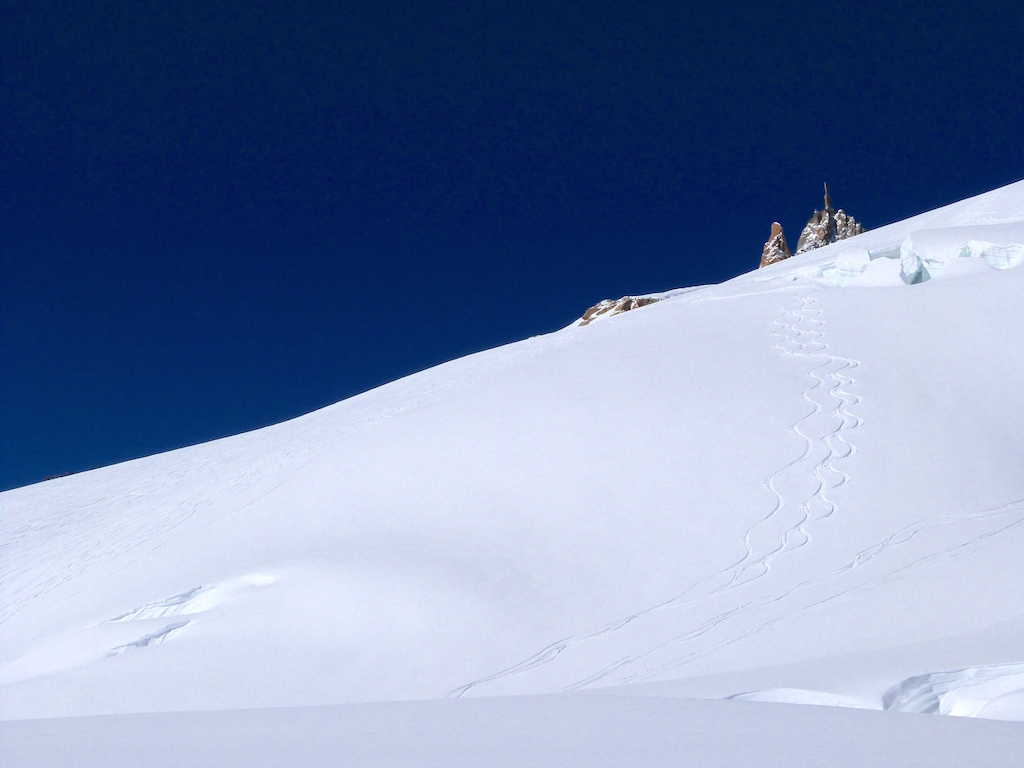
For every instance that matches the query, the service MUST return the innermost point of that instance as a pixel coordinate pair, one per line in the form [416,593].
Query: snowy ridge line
[107,526]
[781,542]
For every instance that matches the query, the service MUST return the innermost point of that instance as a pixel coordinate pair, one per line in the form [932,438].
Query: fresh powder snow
[778,520]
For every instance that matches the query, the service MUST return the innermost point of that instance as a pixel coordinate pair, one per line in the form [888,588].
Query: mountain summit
[825,226]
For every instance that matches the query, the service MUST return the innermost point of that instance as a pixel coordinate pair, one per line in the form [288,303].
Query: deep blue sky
[213,219]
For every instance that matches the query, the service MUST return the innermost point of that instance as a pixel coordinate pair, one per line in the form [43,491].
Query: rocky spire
[775,249]
[847,226]
[827,226]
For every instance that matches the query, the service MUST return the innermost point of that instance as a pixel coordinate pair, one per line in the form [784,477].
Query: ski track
[903,536]
[44,546]
[797,333]
[788,334]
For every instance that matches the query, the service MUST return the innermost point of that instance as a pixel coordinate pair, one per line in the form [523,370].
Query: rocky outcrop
[847,226]
[775,249]
[826,226]
[611,307]
[820,230]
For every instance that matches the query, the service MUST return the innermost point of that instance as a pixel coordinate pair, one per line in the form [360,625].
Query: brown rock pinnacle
[775,249]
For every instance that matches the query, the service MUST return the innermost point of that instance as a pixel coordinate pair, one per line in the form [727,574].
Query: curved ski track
[782,530]
[797,333]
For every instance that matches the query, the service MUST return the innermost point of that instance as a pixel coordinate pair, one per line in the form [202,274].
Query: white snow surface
[753,507]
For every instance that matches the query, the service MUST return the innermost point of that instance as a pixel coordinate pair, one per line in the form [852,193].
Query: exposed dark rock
[610,307]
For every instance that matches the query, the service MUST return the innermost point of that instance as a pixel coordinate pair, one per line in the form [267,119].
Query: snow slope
[556,731]
[802,486]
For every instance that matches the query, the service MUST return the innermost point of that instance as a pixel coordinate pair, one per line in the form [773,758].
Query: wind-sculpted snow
[996,690]
[153,638]
[924,254]
[800,486]
[800,696]
[195,600]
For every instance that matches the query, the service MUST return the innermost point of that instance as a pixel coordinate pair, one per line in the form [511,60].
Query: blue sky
[213,219]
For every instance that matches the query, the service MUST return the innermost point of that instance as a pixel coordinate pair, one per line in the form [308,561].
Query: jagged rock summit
[826,226]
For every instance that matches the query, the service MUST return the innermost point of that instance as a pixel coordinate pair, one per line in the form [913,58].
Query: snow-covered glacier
[926,246]
[767,519]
